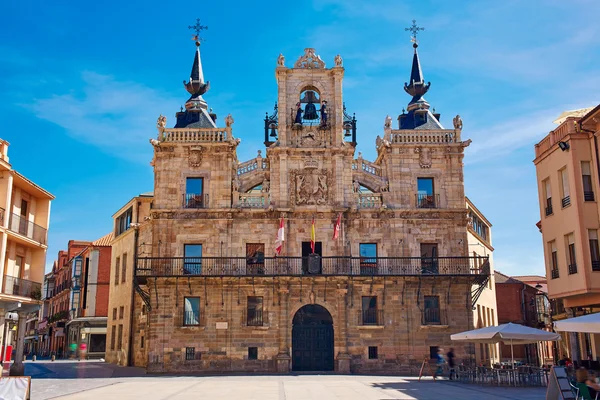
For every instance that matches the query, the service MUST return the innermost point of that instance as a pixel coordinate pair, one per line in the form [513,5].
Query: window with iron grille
[191,311]
[252,353]
[254,311]
[120,338]
[124,268]
[564,179]
[194,193]
[586,176]
[594,251]
[121,312]
[113,337]
[431,310]
[190,353]
[114,313]
[373,353]
[553,259]
[571,249]
[369,311]
[548,193]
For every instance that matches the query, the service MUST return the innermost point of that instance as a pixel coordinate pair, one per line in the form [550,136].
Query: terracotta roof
[104,240]
[531,278]
[499,277]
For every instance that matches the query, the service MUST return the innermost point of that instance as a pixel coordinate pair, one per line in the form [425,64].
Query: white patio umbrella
[508,333]
[586,323]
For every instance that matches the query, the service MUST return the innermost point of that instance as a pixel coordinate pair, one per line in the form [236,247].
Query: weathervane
[414,29]
[197,28]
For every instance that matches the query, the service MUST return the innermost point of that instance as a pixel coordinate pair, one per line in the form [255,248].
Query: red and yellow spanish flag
[312,236]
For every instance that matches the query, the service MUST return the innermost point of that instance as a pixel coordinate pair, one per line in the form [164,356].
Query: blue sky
[82,83]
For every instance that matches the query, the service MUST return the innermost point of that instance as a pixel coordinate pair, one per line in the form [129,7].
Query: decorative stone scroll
[311,187]
[195,156]
[309,60]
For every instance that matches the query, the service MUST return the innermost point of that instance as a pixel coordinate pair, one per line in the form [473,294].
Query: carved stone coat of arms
[311,187]
[195,156]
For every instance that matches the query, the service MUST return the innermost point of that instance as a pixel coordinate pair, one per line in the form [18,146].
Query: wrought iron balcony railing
[555,274]
[428,200]
[595,265]
[432,316]
[254,318]
[22,287]
[22,226]
[572,269]
[370,317]
[194,200]
[314,265]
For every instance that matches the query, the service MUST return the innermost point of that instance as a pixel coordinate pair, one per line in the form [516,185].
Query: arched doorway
[312,339]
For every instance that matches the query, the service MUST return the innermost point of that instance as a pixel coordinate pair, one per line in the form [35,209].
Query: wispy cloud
[114,115]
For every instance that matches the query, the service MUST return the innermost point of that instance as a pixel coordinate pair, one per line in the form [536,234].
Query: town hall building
[308,257]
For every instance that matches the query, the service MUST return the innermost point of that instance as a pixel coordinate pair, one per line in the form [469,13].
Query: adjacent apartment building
[479,240]
[568,170]
[126,336]
[373,269]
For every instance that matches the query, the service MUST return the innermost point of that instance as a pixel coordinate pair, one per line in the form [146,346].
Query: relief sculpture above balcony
[311,186]
[424,156]
[195,156]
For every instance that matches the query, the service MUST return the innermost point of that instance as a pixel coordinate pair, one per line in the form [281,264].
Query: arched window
[308,108]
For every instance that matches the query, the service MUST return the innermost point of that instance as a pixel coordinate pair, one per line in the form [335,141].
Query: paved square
[94,380]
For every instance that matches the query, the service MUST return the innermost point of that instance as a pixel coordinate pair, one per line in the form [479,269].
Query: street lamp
[539,287]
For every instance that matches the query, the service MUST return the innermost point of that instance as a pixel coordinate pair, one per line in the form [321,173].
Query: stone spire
[196,85]
[417,86]
[196,114]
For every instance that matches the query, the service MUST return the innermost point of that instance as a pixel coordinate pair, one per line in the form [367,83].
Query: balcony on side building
[313,265]
[20,225]
[22,287]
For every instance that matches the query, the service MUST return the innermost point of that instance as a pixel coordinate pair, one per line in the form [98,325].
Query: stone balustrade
[408,136]
[366,166]
[253,200]
[253,164]
[215,135]
[566,128]
[368,200]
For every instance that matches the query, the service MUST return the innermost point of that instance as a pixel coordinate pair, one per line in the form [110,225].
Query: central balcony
[311,266]
[24,227]
[22,287]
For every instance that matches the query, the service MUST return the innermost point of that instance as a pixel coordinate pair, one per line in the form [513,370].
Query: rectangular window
[192,264]
[369,311]
[478,226]
[431,311]
[548,195]
[123,221]
[553,259]
[564,179]
[113,335]
[142,342]
[368,258]
[570,239]
[254,311]
[252,353]
[429,258]
[117,266]
[190,353]
[114,314]
[121,312]
[255,258]
[191,311]
[373,353]
[194,193]
[124,268]
[19,267]
[426,197]
[24,208]
[594,251]
[120,338]
[586,176]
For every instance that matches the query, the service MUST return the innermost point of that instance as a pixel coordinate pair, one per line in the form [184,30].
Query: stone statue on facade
[266,186]
[388,123]
[236,183]
[324,113]
[385,187]
[298,118]
[228,120]
[457,121]
[338,61]
[309,60]
[154,142]
[355,186]
[161,123]
[281,60]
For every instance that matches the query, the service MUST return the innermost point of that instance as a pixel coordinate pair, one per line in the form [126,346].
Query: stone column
[283,358]
[18,368]
[343,358]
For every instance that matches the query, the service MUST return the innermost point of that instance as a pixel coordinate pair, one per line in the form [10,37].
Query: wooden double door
[312,339]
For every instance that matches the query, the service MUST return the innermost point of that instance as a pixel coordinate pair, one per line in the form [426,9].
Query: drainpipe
[135,257]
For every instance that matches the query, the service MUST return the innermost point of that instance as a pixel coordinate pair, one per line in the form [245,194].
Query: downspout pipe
[136,236]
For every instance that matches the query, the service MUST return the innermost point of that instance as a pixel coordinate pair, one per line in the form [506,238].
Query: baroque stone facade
[393,285]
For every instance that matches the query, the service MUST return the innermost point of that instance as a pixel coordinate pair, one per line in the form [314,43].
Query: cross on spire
[198,28]
[414,29]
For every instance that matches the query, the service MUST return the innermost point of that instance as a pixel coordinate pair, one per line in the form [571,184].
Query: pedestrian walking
[439,361]
[450,357]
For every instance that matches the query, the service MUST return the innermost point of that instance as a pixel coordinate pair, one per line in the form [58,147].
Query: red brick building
[518,303]
[89,297]
[58,296]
